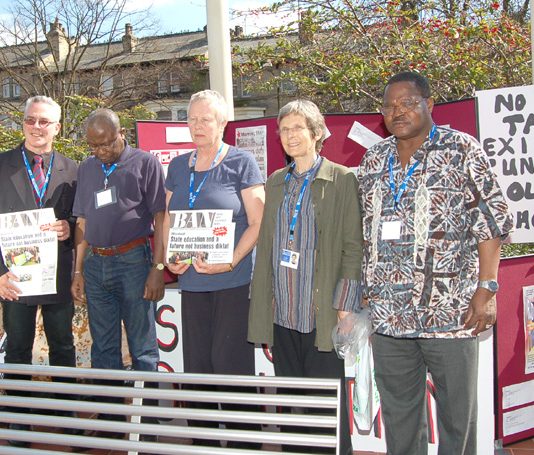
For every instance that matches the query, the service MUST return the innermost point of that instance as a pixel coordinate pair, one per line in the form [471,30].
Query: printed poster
[528,305]
[166,156]
[29,250]
[506,129]
[254,139]
[201,234]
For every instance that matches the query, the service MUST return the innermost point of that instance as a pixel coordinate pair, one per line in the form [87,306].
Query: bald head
[103,119]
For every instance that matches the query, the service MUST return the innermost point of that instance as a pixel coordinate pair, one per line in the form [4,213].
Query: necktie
[38,173]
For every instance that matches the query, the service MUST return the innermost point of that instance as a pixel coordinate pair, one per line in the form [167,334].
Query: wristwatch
[490,285]
[159,266]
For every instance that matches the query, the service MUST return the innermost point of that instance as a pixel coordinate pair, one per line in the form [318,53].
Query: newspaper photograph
[528,310]
[201,234]
[29,250]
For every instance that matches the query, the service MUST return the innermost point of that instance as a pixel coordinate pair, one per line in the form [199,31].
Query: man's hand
[77,288]
[8,291]
[154,286]
[62,228]
[482,311]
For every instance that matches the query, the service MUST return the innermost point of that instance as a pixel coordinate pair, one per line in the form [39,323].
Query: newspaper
[254,139]
[528,311]
[206,234]
[29,250]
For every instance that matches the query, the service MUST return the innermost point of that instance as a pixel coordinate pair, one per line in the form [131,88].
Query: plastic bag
[351,334]
[351,342]
[365,397]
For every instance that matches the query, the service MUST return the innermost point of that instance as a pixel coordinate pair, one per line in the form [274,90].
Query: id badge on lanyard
[391,229]
[290,259]
[106,196]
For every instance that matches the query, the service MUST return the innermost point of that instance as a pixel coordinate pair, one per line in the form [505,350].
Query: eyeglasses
[107,146]
[404,105]
[296,130]
[42,122]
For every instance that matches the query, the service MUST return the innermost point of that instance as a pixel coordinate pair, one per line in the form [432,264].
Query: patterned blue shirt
[420,284]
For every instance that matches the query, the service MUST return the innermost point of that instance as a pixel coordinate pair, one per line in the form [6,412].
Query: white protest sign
[506,129]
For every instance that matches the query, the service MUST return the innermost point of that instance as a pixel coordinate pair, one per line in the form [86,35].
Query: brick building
[160,72]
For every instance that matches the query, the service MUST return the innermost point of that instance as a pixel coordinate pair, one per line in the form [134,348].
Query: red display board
[510,336]
[151,135]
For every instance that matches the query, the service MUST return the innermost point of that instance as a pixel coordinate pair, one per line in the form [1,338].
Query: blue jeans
[114,286]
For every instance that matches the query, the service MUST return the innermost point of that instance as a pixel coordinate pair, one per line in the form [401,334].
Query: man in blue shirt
[122,194]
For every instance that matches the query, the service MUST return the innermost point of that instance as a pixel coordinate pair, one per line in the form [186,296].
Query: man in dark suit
[25,186]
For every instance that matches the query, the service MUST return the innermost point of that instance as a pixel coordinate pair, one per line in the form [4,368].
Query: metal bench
[317,402]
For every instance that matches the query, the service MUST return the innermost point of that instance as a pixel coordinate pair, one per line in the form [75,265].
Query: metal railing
[314,424]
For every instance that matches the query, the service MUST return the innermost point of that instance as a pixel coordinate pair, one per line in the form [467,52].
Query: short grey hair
[103,118]
[56,108]
[312,115]
[215,99]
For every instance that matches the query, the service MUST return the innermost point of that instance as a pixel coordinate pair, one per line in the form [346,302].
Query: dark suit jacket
[16,194]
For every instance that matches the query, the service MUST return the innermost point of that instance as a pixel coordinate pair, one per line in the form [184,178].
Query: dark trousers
[295,354]
[215,326]
[401,366]
[19,324]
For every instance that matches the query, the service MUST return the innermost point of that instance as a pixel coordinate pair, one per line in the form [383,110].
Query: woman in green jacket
[307,272]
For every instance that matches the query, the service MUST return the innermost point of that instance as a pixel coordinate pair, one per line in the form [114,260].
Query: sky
[175,16]
[190,15]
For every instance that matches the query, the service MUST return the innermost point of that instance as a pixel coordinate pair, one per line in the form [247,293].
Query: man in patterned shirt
[433,221]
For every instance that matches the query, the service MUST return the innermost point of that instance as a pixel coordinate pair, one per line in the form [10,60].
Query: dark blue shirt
[222,190]
[139,182]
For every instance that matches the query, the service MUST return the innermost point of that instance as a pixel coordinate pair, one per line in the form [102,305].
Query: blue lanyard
[107,173]
[432,132]
[39,193]
[298,205]
[402,188]
[193,194]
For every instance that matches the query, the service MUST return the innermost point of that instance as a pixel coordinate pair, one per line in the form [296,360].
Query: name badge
[290,259]
[105,197]
[391,230]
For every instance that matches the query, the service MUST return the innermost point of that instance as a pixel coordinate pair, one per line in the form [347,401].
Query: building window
[163,84]
[164,115]
[244,91]
[10,88]
[174,82]
[76,88]
[6,90]
[288,88]
[107,85]
[235,86]
[169,83]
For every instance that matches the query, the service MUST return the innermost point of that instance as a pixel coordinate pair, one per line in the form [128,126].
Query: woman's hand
[202,266]
[178,269]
